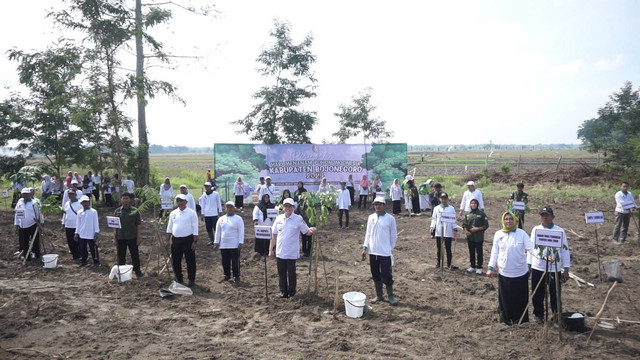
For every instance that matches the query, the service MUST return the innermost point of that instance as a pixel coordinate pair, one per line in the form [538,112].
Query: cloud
[610,64]
[568,69]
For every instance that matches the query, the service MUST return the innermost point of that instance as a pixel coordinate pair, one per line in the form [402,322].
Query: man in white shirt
[27,215]
[191,202]
[87,229]
[286,231]
[625,203]
[472,193]
[129,184]
[69,223]
[379,240]
[211,207]
[182,229]
[96,179]
[443,230]
[229,239]
[74,187]
[343,201]
[267,188]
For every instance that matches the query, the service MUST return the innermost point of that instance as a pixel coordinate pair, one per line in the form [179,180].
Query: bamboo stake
[324,267]
[266,292]
[33,238]
[315,269]
[531,297]
[601,310]
[558,299]
[618,320]
[335,297]
[598,255]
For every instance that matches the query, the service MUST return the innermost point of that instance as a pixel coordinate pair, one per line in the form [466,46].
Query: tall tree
[616,130]
[356,119]
[277,118]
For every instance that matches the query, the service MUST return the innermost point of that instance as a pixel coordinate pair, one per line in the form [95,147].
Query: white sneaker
[471,270]
[479,271]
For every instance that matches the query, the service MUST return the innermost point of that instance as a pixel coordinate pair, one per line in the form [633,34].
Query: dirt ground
[77,313]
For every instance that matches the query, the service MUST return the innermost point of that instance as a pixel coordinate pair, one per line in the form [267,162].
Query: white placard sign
[113,222]
[166,204]
[5,193]
[448,218]
[263,232]
[519,205]
[20,213]
[272,213]
[594,217]
[548,238]
[276,194]
[630,205]
[381,194]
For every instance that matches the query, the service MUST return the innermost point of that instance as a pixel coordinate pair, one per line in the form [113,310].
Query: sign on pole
[594,217]
[448,218]
[519,205]
[262,232]
[548,238]
[5,193]
[272,213]
[113,222]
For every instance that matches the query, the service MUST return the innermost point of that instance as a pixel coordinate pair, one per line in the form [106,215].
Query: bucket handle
[124,272]
[354,305]
[52,260]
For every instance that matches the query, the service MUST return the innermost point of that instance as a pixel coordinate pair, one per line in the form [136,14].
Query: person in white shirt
[87,229]
[74,187]
[379,241]
[285,232]
[182,230]
[229,239]
[46,186]
[211,207]
[191,202]
[26,219]
[351,186]
[259,186]
[323,187]
[441,229]
[267,188]
[396,197]
[69,221]
[343,202]
[87,185]
[260,218]
[166,197]
[509,255]
[238,191]
[543,259]
[96,180]
[129,184]
[625,203]
[471,193]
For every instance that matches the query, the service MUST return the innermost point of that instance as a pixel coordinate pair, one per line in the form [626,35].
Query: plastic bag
[612,268]
[179,289]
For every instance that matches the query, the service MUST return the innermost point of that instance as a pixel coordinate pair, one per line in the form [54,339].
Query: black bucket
[573,323]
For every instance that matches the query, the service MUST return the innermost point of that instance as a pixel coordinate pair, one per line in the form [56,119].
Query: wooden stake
[598,255]
[335,297]
[558,299]
[33,238]
[266,291]
[315,269]
[601,310]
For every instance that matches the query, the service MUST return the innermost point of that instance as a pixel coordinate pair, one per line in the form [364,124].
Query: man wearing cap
[74,187]
[191,202]
[441,229]
[379,241]
[229,239]
[471,193]
[183,228]
[128,236]
[544,259]
[520,196]
[87,230]
[343,201]
[625,203]
[267,188]
[69,222]
[26,217]
[211,207]
[286,230]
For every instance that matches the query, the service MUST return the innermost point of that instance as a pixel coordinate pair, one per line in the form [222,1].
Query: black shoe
[191,283]
[283,295]
[96,264]
[139,274]
[291,295]
[83,265]
[236,280]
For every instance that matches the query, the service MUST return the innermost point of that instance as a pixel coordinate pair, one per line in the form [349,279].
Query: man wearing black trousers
[128,236]
[69,220]
[182,229]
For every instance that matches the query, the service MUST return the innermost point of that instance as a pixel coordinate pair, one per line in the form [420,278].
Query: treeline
[489,147]
[174,149]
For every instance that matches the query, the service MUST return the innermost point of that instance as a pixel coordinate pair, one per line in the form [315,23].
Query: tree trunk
[143,142]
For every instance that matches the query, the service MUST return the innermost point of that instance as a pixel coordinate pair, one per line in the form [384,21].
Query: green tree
[356,119]
[277,118]
[616,130]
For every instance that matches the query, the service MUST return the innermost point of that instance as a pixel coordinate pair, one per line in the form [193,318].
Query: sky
[441,72]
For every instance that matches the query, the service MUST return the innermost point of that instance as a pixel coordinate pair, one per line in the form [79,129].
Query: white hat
[429,181]
[379,199]
[84,198]
[229,203]
[409,177]
[183,186]
[74,181]
[288,201]
[471,183]
[181,197]
[71,191]
[267,177]
[207,184]
[25,191]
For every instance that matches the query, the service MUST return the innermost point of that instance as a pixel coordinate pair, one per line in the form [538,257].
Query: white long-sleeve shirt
[238,189]
[70,216]
[465,204]
[539,261]
[183,223]
[210,204]
[267,189]
[396,192]
[166,194]
[229,232]
[381,234]
[31,213]
[191,202]
[509,253]
[87,224]
[343,201]
[259,216]
[622,200]
[65,197]
[437,224]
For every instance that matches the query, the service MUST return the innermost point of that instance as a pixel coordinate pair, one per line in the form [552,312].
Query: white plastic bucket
[50,261]
[354,303]
[126,272]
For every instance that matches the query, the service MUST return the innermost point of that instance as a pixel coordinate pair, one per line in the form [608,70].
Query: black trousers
[538,296]
[182,246]
[306,244]
[133,250]
[210,223]
[513,297]
[475,250]
[24,237]
[230,260]
[381,269]
[96,193]
[340,212]
[363,201]
[74,248]
[262,246]
[447,245]
[239,201]
[108,200]
[396,207]
[415,205]
[82,243]
[352,192]
[287,276]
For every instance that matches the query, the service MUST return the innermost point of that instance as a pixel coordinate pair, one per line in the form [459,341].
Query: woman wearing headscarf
[46,186]
[475,223]
[376,187]
[415,197]
[260,219]
[238,190]
[509,255]
[323,185]
[364,192]
[166,196]
[299,191]
[396,197]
